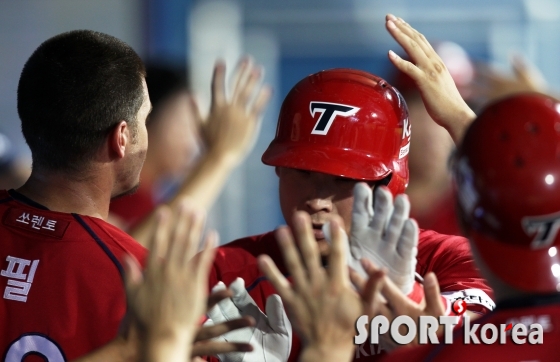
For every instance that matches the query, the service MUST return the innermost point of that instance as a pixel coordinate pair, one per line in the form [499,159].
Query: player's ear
[119,138]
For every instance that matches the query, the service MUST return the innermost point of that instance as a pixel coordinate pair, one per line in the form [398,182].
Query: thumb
[243,300]
[240,296]
[277,318]
[434,305]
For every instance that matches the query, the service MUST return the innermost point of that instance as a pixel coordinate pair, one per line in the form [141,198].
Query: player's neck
[63,192]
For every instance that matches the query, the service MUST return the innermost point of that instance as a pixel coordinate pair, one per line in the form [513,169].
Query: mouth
[318,232]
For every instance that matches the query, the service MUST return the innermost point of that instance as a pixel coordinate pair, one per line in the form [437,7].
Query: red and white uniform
[447,256]
[544,310]
[61,281]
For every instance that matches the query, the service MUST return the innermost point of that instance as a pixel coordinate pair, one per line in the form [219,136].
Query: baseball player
[84,123]
[83,104]
[506,174]
[336,128]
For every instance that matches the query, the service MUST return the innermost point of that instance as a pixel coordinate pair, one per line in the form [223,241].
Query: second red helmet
[507,174]
[347,123]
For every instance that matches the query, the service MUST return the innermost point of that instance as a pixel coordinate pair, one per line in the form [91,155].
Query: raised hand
[270,338]
[492,84]
[383,234]
[439,93]
[233,124]
[322,304]
[398,304]
[166,302]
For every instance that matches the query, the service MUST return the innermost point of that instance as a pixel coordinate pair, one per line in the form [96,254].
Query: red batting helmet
[344,122]
[507,174]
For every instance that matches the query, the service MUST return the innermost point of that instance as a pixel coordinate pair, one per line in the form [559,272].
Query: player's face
[318,194]
[129,178]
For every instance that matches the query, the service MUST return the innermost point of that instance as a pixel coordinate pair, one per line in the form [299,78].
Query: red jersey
[447,256]
[132,209]
[61,281]
[544,310]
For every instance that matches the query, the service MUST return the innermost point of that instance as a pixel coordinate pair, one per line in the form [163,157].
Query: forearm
[164,349]
[327,353]
[118,350]
[460,124]
[202,186]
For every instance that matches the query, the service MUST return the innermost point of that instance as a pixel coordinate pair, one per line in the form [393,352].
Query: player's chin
[127,192]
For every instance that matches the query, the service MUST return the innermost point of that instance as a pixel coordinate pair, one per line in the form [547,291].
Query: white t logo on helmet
[545,228]
[328,112]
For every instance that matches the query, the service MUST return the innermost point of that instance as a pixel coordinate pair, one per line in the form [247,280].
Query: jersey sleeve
[450,258]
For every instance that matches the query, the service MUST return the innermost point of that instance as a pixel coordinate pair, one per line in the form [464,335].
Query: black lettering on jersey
[545,228]
[329,111]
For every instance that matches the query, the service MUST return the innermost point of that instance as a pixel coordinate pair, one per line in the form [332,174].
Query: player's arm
[439,93]
[168,300]
[229,133]
[119,349]
[459,277]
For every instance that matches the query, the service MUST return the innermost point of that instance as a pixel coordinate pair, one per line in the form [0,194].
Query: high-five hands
[397,304]
[437,88]
[233,124]
[383,234]
[271,337]
[165,303]
[321,303]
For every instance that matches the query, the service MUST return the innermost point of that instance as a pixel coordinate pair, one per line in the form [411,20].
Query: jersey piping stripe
[24,199]
[100,243]
[260,279]
[6,200]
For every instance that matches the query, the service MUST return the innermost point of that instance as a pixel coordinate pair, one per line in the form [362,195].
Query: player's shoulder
[239,257]
[431,236]
[249,246]
[22,216]
[112,237]
[430,241]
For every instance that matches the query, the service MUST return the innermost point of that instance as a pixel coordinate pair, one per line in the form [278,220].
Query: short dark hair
[72,91]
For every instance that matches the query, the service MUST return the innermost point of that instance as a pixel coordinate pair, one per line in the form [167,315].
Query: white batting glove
[386,235]
[271,338]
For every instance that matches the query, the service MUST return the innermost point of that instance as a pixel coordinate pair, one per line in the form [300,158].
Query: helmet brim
[348,163]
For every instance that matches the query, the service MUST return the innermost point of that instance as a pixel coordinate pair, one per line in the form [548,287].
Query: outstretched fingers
[362,209]
[307,245]
[400,214]
[278,280]
[434,304]
[158,242]
[407,247]
[383,207]
[338,270]
[219,83]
